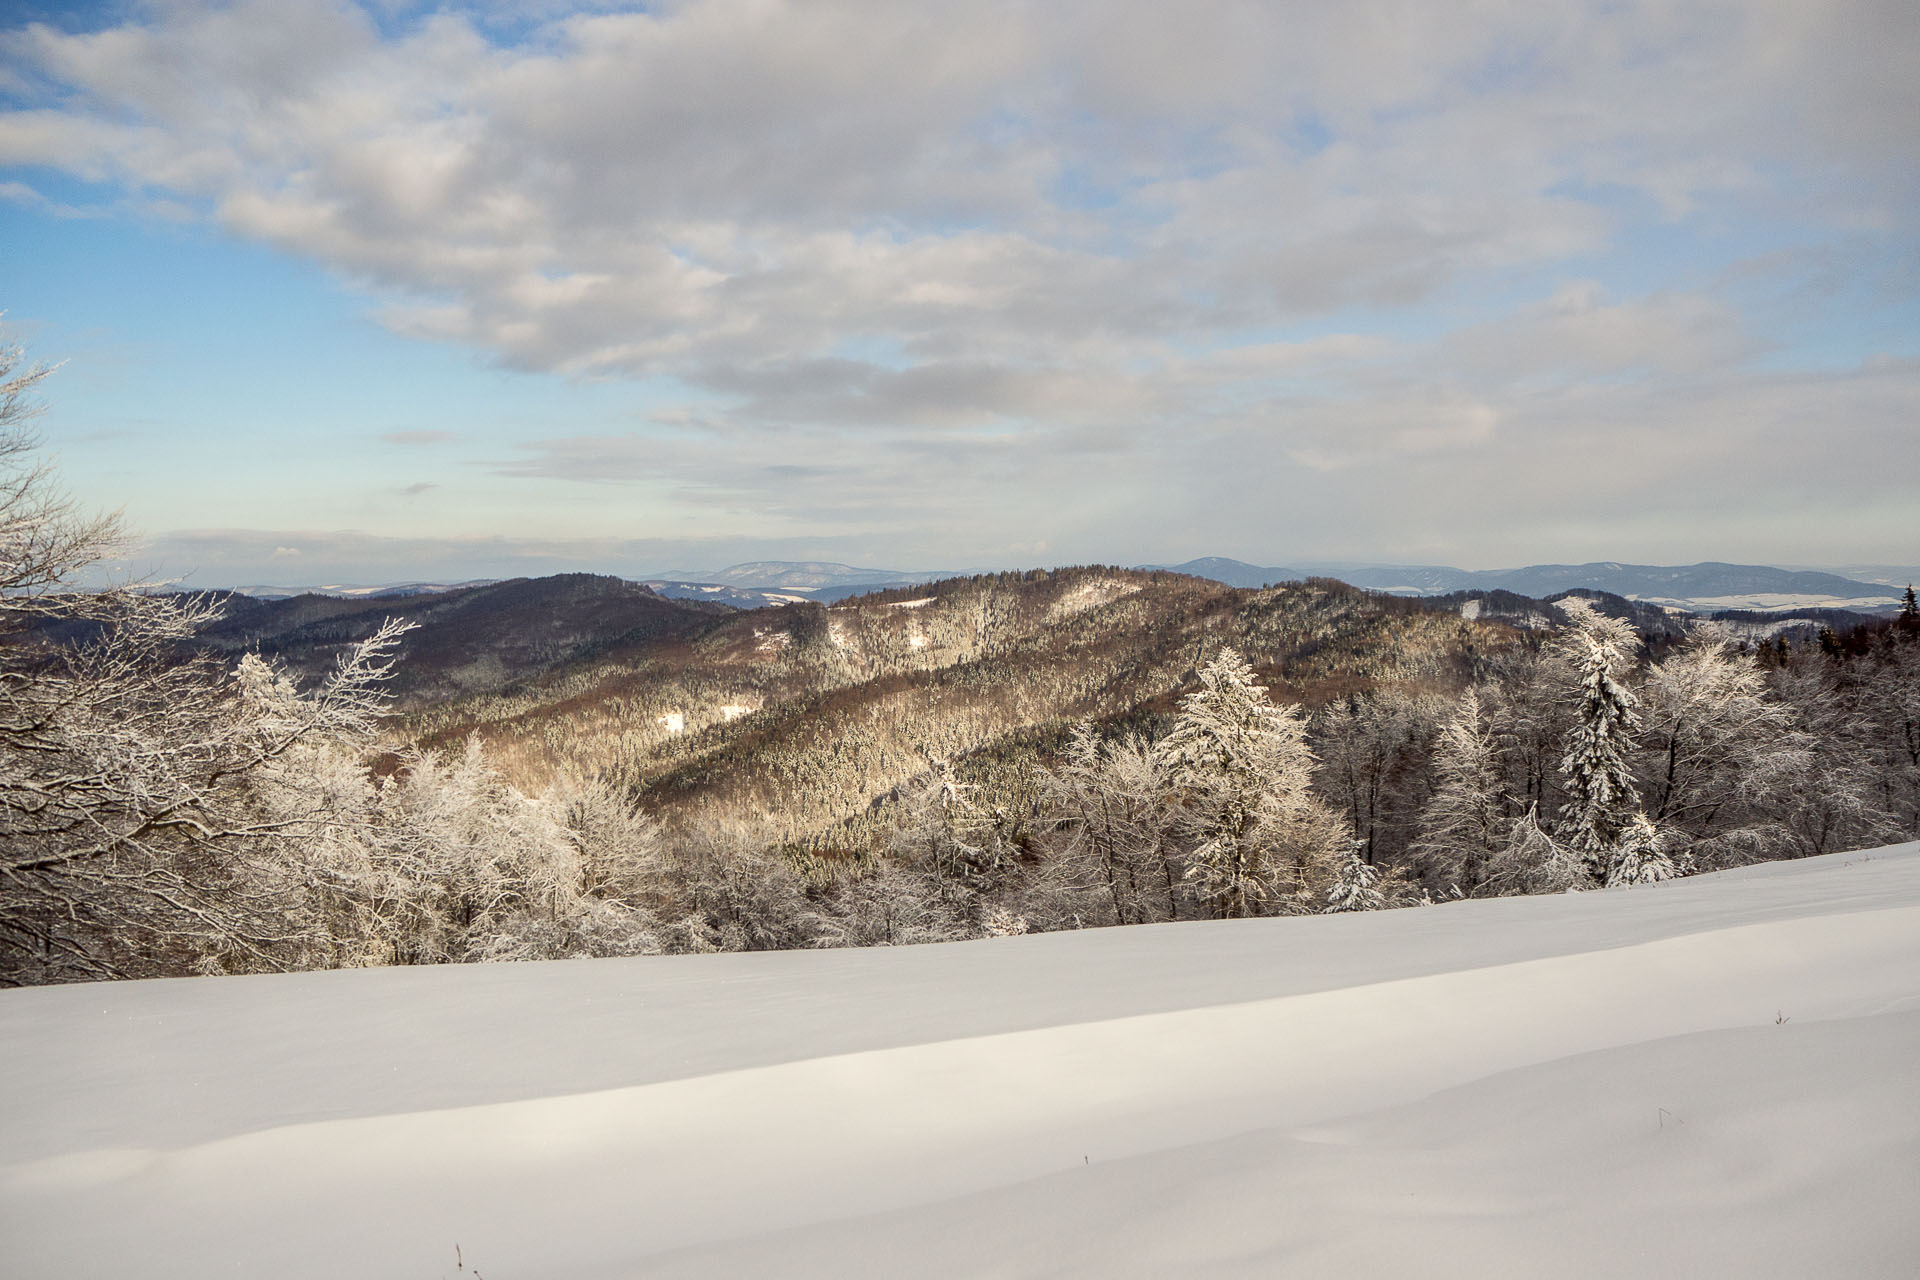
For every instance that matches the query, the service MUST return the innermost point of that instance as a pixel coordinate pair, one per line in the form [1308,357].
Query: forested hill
[467,640]
[806,713]
[810,716]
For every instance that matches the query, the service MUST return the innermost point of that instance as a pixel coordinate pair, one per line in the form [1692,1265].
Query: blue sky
[387,293]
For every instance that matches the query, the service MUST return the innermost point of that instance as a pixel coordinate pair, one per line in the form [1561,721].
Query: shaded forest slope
[467,641]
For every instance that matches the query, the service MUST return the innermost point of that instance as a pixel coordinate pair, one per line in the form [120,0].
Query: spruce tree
[1638,857]
[1601,796]
[1353,888]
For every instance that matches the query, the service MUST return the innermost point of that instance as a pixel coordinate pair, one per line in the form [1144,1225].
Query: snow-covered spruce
[1353,887]
[1638,857]
[1601,795]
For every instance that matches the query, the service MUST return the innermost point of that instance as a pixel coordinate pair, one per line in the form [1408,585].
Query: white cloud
[1014,245]
[737,182]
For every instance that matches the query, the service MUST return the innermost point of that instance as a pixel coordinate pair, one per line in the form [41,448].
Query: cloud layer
[908,267]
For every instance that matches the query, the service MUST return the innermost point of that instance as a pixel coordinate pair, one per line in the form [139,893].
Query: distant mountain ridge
[1710,583]
[262,591]
[757,584]
[1707,586]
[1234,573]
[800,575]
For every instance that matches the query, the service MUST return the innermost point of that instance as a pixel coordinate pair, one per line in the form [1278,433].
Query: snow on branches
[1242,770]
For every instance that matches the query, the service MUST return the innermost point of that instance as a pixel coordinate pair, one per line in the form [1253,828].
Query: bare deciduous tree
[130,838]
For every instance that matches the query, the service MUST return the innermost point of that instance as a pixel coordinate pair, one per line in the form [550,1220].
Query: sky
[387,292]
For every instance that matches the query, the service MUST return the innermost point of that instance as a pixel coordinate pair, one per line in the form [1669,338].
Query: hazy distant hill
[799,575]
[364,592]
[1234,573]
[1696,582]
[760,583]
[739,597]
[1898,576]
[1710,585]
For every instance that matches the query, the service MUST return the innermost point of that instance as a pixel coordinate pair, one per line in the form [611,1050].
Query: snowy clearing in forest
[1709,1076]
[1091,595]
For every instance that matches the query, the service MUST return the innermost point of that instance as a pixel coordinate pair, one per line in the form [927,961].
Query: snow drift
[1712,1076]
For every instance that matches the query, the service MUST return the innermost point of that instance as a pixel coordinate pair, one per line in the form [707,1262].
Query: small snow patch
[675,721]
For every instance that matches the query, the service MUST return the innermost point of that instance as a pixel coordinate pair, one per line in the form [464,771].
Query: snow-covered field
[1711,1077]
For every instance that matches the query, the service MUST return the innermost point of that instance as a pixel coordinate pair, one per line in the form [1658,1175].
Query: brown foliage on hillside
[806,716]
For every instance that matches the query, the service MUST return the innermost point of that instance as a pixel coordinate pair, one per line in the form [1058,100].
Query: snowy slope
[1713,1076]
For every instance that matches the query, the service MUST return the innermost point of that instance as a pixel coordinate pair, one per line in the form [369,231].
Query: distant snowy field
[1711,1077]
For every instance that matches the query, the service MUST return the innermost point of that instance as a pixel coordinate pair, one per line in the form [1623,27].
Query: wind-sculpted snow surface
[1711,1076]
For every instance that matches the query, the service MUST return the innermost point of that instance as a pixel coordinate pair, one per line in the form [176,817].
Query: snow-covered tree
[1860,765]
[133,836]
[1464,825]
[1374,751]
[895,904]
[446,861]
[1717,749]
[1534,862]
[732,890]
[1110,801]
[1353,886]
[1598,763]
[1242,770]
[1001,922]
[937,825]
[1528,714]
[1638,857]
[1890,704]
